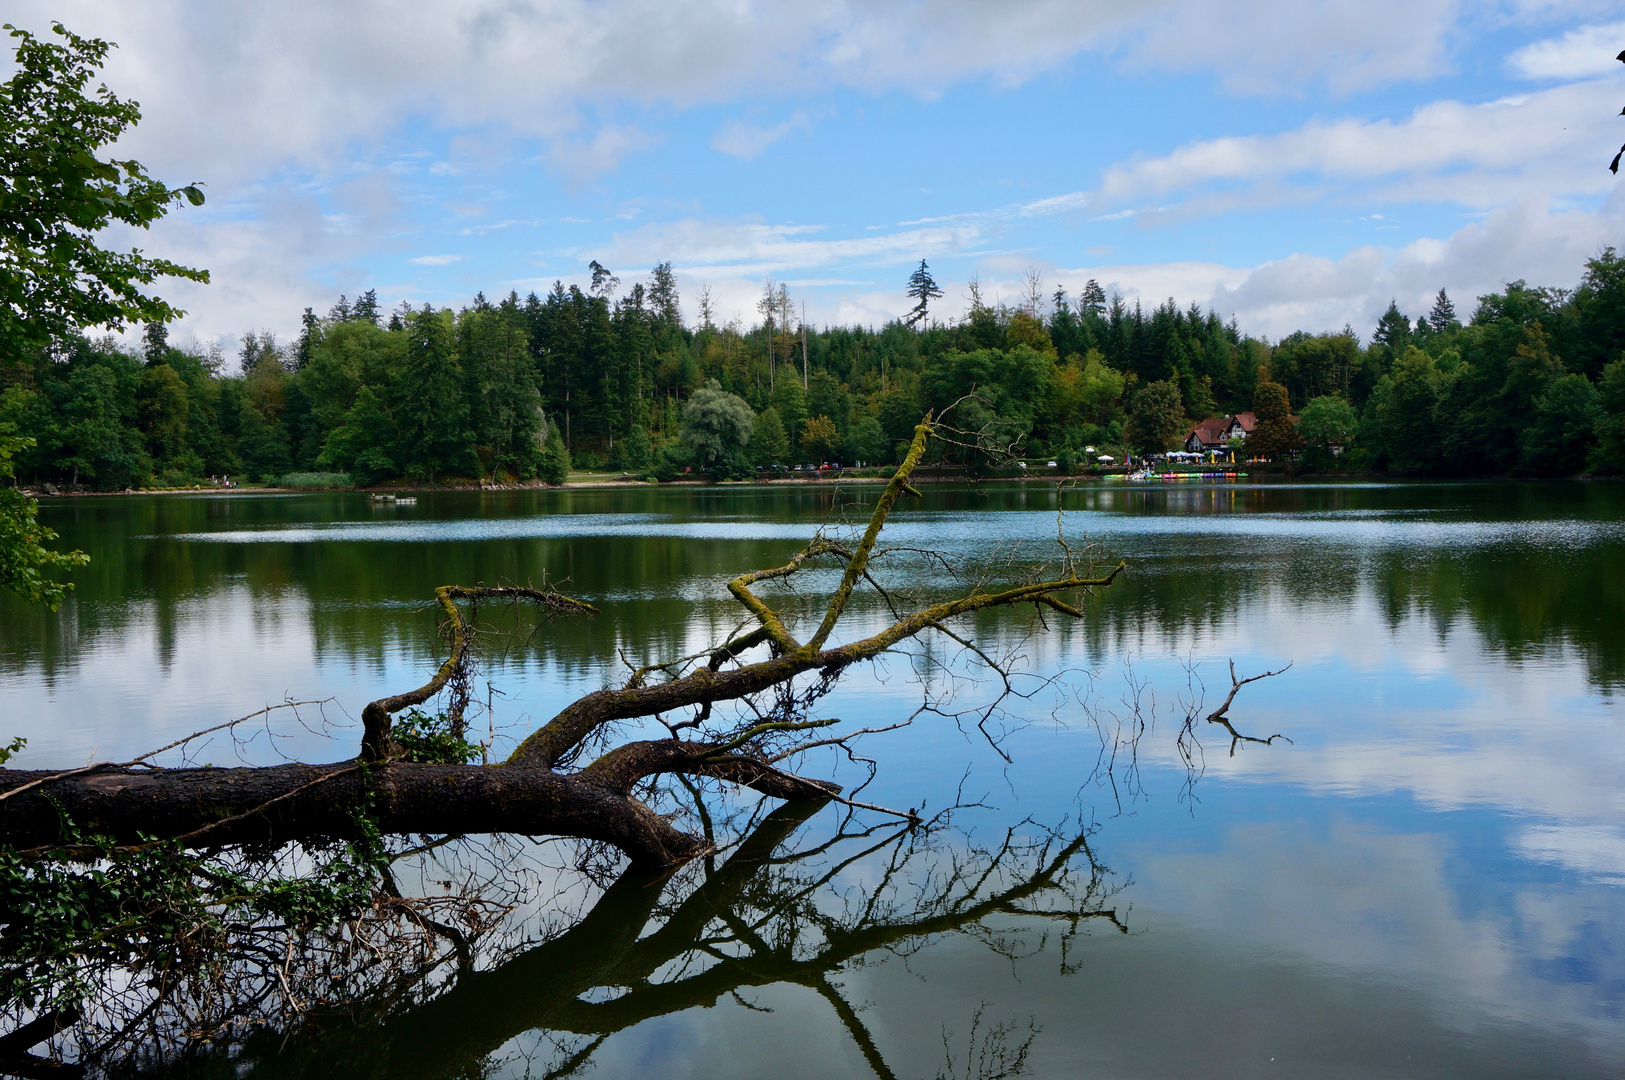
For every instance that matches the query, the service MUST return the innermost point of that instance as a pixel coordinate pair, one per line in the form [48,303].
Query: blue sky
[1293,164]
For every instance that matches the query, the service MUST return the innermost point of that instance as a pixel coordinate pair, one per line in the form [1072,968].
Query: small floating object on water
[406,500]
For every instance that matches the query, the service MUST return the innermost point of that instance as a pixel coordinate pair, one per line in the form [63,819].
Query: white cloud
[1477,155]
[234,93]
[582,162]
[741,140]
[1271,46]
[1579,54]
[266,267]
[437,260]
[1313,292]
[232,90]
[751,250]
[1525,240]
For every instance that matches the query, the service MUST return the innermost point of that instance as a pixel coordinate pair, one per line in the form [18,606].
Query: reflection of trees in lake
[1521,600]
[777,910]
[363,599]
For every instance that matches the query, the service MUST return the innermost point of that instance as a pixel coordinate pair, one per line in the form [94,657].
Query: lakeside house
[1219,435]
[1216,434]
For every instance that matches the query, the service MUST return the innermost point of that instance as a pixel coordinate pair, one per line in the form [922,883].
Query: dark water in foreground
[1428,881]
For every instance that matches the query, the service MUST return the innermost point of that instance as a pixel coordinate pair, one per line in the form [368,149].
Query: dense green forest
[1532,383]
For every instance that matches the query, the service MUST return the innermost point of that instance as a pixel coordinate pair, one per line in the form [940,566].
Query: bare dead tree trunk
[541,789]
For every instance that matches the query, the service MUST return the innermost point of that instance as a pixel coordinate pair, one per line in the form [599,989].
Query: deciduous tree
[1157,420]
[57,193]
[26,564]
[715,421]
[1566,415]
[1328,421]
[819,439]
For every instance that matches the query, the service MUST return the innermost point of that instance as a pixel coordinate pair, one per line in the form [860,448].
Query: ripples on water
[1427,882]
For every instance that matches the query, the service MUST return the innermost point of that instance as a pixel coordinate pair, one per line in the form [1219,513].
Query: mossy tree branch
[542,788]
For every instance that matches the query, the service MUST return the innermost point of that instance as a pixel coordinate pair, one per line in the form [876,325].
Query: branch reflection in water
[430,987]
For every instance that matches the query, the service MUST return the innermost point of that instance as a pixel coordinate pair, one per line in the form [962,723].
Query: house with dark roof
[1216,434]
[1209,435]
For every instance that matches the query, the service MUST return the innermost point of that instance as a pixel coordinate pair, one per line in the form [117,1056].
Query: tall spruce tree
[1092,301]
[922,289]
[310,328]
[1393,333]
[1443,313]
[155,343]
[366,307]
[430,409]
[663,300]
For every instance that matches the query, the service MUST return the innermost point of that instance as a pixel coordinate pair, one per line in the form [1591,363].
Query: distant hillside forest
[1533,383]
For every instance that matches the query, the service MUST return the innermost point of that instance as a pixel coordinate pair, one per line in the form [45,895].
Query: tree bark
[207,807]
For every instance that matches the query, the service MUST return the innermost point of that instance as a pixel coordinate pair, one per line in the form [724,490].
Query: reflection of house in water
[1216,435]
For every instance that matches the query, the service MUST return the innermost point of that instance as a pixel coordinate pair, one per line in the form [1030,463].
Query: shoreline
[1266,475]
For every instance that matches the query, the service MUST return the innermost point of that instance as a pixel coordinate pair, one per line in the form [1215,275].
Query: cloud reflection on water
[1438,857]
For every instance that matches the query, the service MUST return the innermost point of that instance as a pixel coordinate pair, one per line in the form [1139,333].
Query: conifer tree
[922,288]
[1443,313]
[310,328]
[554,466]
[769,445]
[663,301]
[155,343]
[1093,299]
[604,283]
[366,307]
[1393,332]
[707,309]
[433,413]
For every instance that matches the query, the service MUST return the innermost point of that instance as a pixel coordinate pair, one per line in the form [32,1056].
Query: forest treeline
[1533,382]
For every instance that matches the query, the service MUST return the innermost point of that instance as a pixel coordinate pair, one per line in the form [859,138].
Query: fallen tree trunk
[281,803]
[300,802]
[543,788]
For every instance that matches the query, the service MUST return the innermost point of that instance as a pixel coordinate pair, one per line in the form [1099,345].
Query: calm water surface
[1429,880]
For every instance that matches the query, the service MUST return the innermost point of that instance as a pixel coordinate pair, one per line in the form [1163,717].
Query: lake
[1427,880]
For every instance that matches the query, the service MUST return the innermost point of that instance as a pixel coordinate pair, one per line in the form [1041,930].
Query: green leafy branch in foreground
[24,559]
[431,740]
[56,194]
[157,911]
